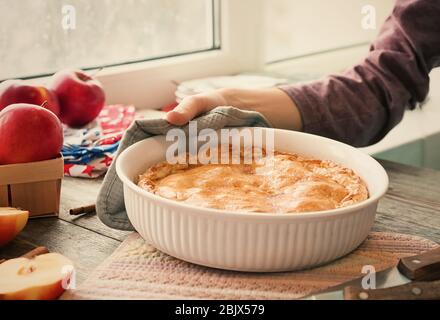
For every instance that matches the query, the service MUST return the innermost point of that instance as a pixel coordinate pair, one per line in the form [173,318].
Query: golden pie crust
[279,183]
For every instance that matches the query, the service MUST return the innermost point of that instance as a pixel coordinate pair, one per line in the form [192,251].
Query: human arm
[364,103]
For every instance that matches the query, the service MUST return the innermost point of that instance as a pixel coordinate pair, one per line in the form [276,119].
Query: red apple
[81,97]
[29,133]
[18,91]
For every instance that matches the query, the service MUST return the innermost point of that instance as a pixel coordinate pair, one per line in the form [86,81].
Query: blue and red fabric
[88,152]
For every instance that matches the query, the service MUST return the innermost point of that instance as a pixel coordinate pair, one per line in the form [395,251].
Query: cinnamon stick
[32,254]
[36,252]
[82,210]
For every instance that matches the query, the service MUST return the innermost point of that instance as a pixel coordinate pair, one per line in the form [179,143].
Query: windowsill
[416,125]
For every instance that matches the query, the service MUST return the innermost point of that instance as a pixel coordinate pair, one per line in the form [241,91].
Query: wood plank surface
[77,193]
[412,203]
[87,249]
[411,206]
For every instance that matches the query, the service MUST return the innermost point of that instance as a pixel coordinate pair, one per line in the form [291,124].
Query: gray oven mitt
[110,205]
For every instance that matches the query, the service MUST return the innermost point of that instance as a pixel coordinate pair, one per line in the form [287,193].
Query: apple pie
[276,183]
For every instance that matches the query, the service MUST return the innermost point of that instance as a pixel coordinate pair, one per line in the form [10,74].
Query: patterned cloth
[138,271]
[89,152]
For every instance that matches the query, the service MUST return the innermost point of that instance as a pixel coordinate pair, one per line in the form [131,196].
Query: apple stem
[44,104]
[96,72]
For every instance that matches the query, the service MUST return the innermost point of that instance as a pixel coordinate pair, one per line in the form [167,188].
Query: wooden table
[412,206]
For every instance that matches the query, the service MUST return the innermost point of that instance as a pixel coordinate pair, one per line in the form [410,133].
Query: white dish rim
[262,215]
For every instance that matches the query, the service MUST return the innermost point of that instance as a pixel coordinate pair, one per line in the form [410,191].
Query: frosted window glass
[295,28]
[34,40]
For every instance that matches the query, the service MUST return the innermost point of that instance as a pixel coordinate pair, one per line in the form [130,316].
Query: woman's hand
[273,103]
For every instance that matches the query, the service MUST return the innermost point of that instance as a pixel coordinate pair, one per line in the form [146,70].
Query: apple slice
[44,277]
[12,221]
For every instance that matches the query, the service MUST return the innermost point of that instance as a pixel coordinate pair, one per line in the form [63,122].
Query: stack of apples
[30,124]
[31,130]
[31,115]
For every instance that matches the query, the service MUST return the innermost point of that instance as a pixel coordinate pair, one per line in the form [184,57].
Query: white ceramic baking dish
[248,241]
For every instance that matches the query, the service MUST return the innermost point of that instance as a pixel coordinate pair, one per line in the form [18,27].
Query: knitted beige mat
[138,271]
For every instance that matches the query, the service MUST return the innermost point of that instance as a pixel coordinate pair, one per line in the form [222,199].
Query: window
[39,37]
[148,45]
[298,28]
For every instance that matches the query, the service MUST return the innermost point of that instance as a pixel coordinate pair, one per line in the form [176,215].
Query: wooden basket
[34,186]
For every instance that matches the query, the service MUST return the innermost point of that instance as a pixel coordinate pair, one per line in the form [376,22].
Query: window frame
[240,50]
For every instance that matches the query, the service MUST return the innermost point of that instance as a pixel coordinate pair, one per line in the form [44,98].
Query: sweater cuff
[308,116]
